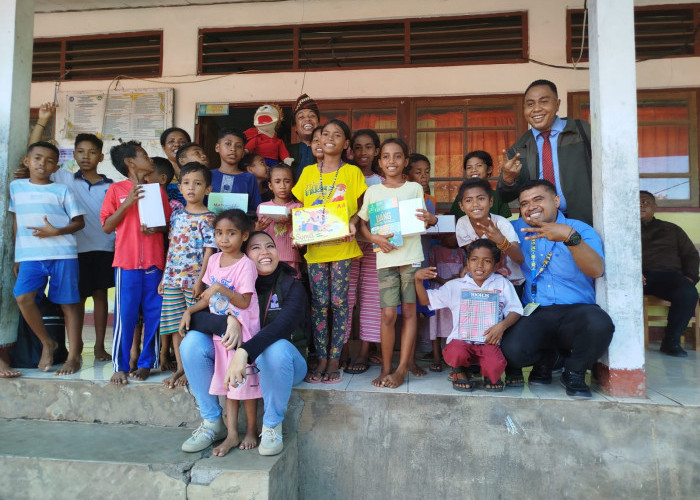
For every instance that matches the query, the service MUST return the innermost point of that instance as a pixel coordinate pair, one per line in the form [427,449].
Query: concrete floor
[670,381]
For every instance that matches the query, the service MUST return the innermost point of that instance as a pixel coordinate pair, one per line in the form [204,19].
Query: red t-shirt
[132,248]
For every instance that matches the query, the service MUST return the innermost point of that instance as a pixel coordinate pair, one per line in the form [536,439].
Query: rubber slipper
[497,387]
[435,367]
[332,381]
[462,385]
[310,377]
[357,368]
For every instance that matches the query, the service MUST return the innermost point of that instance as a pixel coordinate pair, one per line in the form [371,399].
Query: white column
[16,44]
[616,189]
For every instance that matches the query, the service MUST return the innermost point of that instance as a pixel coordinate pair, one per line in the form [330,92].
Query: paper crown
[306,102]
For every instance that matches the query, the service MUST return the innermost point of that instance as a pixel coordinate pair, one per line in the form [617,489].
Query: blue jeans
[281,367]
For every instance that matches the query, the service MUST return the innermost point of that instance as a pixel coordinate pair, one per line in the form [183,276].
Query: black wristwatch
[573,240]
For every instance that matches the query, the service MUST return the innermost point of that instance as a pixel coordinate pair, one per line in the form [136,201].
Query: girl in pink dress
[230,277]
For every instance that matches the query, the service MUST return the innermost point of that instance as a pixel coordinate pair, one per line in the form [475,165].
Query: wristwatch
[573,240]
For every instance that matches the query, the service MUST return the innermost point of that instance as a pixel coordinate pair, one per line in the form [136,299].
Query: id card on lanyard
[534,274]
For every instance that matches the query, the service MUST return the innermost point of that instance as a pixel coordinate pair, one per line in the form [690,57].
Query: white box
[151,210]
[275,212]
[410,224]
[445,224]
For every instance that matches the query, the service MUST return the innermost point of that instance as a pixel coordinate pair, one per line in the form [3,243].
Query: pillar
[616,196]
[16,44]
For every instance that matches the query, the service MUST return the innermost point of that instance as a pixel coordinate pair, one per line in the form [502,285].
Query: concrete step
[69,460]
[61,398]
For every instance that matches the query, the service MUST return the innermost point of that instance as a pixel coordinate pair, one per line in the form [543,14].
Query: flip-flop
[497,387]
[462,385]
[332,381]
[375,359]
[309,379]
[357,368]
[435,366]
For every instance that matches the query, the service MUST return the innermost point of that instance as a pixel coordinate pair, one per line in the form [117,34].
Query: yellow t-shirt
[411,251]
[349,186]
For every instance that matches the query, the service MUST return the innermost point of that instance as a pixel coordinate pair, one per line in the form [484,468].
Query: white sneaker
[205,435]
[271,442]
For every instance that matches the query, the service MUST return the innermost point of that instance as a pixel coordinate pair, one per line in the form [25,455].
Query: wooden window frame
[65,40]
[576,99]
[406,41]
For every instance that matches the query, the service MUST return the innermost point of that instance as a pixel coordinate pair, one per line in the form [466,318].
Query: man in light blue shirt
[562,258]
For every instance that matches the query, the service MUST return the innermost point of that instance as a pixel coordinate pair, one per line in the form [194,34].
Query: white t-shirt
[449,296]
[411,251]
[466,234]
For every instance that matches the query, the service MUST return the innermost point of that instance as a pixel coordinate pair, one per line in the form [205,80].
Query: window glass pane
[493,142]
[337,114]
[663,149]
[491,117]
[657,110]
[444,150]
[439,118]
[375,119]
[674,188]
[445,191]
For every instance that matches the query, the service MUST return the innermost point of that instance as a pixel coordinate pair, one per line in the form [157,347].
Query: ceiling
[47,6]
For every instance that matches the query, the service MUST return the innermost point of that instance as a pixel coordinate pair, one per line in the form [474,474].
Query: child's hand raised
[46,231]
[46,111]
[134,195]
[491,231]
[427,273]
[495,333]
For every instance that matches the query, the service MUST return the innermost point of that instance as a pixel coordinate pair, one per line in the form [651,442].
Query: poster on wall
[124,115]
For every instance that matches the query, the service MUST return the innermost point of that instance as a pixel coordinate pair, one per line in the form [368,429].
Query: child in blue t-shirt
[229,178]
[46,216]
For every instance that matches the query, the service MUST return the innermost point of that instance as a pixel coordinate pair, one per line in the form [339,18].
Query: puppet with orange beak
[263,138]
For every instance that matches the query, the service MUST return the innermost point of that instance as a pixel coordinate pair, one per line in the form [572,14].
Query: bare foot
[167,364]
[6,371]
[181,381]
[119,378]
[140,374]
[46,360]
[379,381]
[416,370]
[394,380]
[70,366]
[231,441]
[250,441]
[170,381]
[101,354]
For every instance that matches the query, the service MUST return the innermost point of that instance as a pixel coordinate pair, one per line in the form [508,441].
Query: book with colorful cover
[478,311]
[218,202]
[384,219]
[320,223]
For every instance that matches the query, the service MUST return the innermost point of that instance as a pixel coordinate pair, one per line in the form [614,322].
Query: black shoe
[540,375]
[575,385]
[674,350]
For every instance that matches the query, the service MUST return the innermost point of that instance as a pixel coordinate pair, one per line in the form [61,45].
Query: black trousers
[585,330]
[680,292]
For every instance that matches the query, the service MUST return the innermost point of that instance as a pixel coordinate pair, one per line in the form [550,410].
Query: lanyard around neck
[534,272]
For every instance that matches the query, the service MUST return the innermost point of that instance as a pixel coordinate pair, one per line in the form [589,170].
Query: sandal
[327,380]
[495,387]
[515,378]
[435,366]
[452,376]
[375,359]
[356,368]
[462,385]
[344,364]
[313,377]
